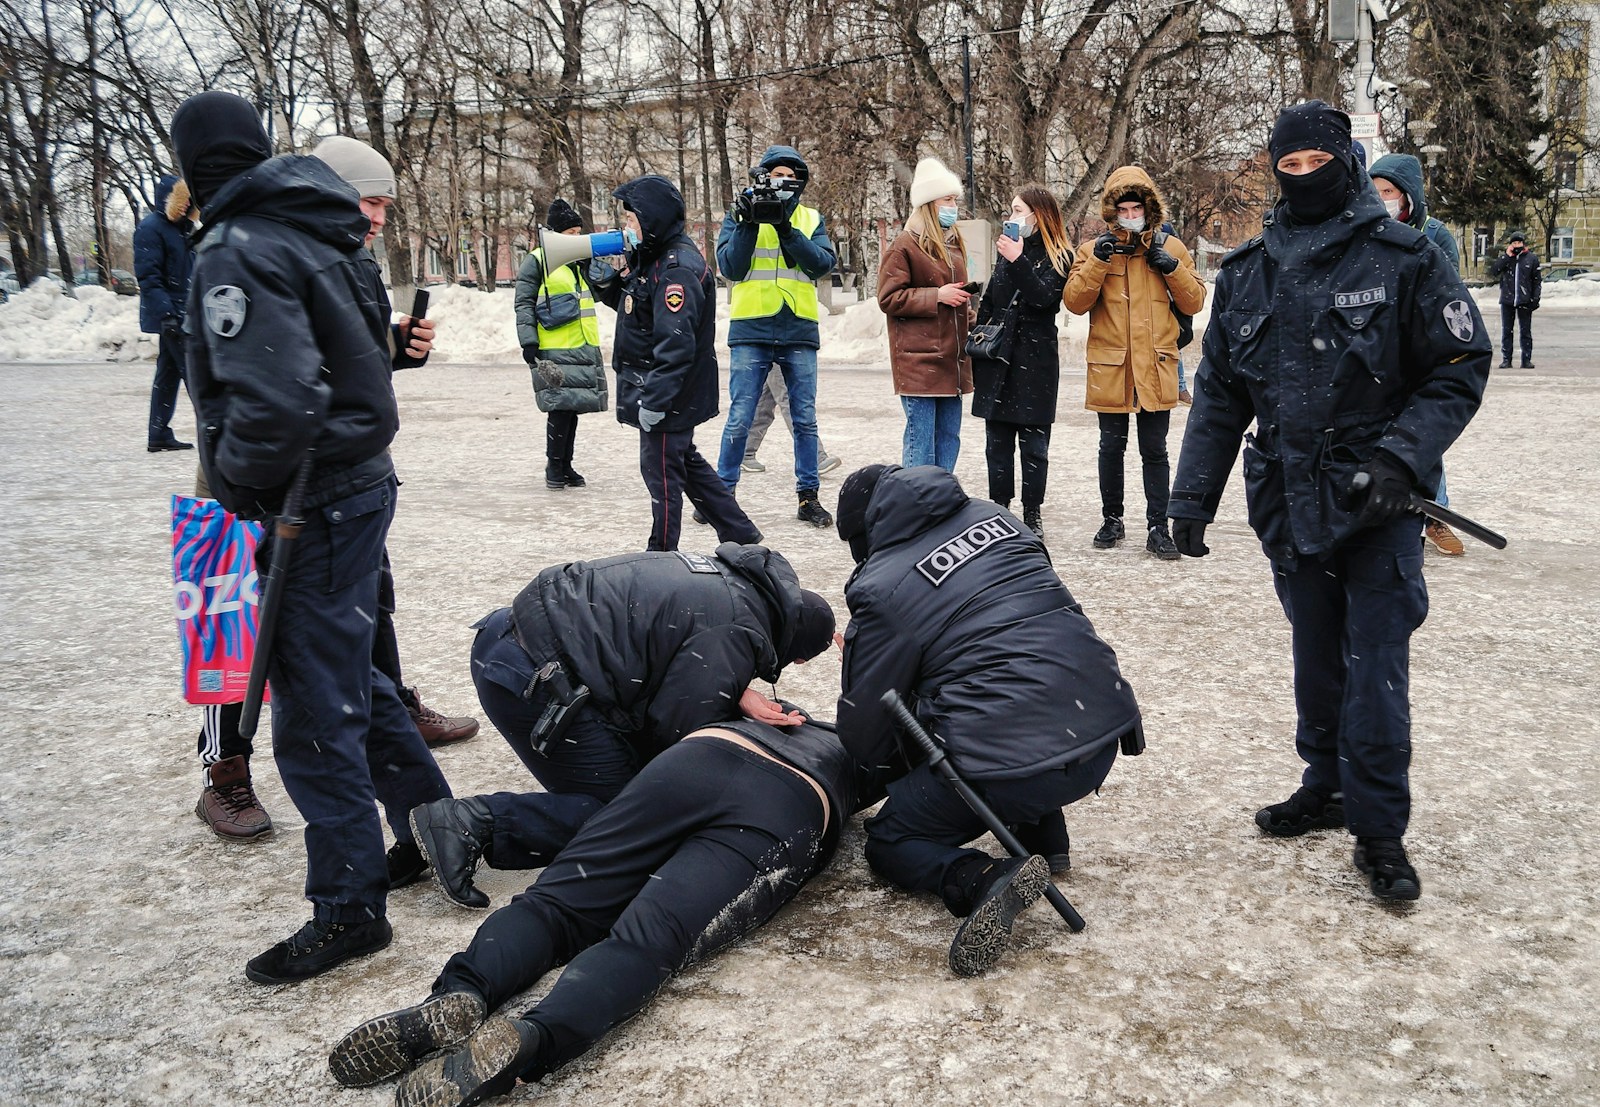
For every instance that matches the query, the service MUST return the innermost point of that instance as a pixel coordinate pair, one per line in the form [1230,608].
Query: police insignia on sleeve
[225,307]
[673,297]
[1458,317]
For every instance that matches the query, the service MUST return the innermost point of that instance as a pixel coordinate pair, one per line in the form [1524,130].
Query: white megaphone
[564,249]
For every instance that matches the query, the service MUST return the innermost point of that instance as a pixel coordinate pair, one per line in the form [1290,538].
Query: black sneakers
[1110,533]
[486,1066]
[452,834]
[406,865]
[1013,885]
[811,510]
[1304,811]
[317,947]
[1032,520]
[392,1044]
[1160,543]
[573,478]
[1383,861]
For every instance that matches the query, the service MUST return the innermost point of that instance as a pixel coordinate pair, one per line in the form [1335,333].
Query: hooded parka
[927,339]
[1132,349]
[1337,339]
[957,608]
[162,260]
[1024,389]
[1405,172]
[666,642]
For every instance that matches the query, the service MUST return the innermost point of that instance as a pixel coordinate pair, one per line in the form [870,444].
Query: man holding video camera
[774,249]
[1518,271]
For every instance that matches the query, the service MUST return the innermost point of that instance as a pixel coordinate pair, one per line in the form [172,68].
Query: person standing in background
[1520,280]
[162,260]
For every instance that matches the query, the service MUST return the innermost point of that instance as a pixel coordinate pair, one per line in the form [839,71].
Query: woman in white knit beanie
[920,288]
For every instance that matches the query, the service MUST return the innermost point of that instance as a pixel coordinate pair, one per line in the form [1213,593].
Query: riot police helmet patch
[225,308]
[1458,317]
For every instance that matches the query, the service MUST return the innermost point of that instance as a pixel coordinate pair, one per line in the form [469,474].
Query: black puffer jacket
[666,642]
[288,346]
[958,609]
[1337,339]
[665,356]
[1025,390]
[1521,281]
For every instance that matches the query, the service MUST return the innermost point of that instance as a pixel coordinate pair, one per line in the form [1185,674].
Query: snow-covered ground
[43,324]
[1218,967]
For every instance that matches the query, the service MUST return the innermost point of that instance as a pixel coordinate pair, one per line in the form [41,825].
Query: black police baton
[285,530]
[1423,506]
[940,763]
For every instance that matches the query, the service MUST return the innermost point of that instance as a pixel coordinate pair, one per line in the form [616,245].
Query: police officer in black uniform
[666,362]
[955,606]
[598,666]
[703,846]
[288,353]
[1351,343]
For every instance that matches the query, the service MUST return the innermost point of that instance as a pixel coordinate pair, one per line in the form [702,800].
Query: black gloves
[1189,535]
[172,327]
[742,211]
[1387,487]
[530,354]
[1104,245]
[1161,261]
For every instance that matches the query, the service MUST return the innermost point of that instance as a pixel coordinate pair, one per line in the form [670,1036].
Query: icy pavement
[1218,967]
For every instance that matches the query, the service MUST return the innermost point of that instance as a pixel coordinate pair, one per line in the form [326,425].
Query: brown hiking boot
[436,729]
[1444,539]
[228,804]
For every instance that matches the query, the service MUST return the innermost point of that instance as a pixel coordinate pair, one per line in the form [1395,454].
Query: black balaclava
[854,495]
[217,136]
[815,630]
[561,216]
[1313,125]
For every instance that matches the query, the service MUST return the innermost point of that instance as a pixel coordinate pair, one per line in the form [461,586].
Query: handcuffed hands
[753,705]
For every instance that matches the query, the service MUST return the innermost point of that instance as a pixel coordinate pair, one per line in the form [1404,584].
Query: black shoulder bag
[992,341]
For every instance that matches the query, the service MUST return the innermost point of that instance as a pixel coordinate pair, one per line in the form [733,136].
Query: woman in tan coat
[1129,281]
[928,312]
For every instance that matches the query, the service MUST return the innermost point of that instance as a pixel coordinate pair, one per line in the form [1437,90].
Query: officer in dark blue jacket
[1351,343]
[955,606]
[162,261]
[666,362]
[288,353]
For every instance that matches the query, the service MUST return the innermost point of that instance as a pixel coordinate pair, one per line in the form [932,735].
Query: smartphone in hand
[972,287]
[419,304]
[1011,229]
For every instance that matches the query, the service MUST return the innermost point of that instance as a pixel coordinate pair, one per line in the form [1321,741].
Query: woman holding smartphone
[922,288]
[1016,398]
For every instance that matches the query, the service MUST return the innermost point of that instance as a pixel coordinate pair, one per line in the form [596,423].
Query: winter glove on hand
[1189,535]
[648,418]
[1387,485]
[742,211]
[1161,261]
[530,354]
[1104,245]
[172,327]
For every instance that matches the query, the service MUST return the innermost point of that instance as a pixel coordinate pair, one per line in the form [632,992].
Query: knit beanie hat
[931,181]
[1518,236]
[362,167]
[562,216]
[1312,125]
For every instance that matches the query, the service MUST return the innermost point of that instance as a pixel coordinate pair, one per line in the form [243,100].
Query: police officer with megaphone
[560,338]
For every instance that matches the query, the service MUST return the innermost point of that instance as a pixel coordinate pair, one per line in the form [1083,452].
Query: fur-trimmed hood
[1132,178]
[178,203]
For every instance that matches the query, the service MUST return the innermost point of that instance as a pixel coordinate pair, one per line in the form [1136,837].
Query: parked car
[1564,272]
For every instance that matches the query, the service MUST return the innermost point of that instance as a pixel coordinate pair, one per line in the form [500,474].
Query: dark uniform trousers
[340,734]
[1353,613]
[164,389]
[581,772]
[914,840]
[672,468]
[703,847]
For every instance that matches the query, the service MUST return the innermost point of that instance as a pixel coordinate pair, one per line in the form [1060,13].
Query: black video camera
[1129,247]
[768,203]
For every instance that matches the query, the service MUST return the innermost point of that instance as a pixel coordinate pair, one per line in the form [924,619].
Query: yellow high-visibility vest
[582,331]
[771,284]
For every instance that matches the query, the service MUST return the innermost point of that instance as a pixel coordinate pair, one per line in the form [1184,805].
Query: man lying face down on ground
[704,845]
[598,666]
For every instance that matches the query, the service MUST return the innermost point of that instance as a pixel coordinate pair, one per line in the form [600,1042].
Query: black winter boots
[392,1044]
[453,833]
[999,892]
[1305,811]
[811,510]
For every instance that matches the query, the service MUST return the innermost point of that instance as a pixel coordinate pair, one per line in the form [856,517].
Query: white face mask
[1134,225]
[1024,224]
[1393,208]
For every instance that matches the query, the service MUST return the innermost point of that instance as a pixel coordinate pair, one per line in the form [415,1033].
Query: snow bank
[42,323]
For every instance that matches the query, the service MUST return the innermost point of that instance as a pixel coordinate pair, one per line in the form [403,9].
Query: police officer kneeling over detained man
[703,846]
[955,606]
[598,666]
[1350,341]
[288,358]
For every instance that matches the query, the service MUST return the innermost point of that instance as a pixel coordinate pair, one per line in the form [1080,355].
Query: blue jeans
[1443,498]
[748,366]
[933,431]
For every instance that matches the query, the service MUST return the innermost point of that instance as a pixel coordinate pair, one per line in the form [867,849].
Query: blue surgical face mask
[631,237]
[948,216]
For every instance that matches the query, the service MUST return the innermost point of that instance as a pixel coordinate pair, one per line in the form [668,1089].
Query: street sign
[1365,126]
